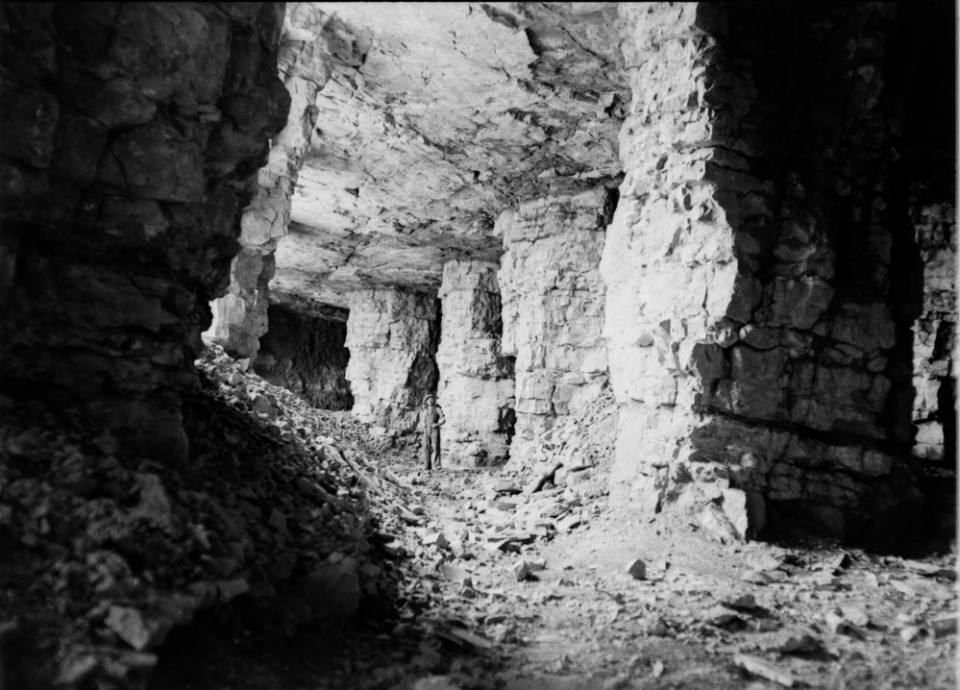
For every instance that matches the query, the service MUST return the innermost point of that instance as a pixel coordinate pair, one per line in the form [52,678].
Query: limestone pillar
[240,316]
[553,313]
[476,381]
[934,342]
[754,336]
[391,336]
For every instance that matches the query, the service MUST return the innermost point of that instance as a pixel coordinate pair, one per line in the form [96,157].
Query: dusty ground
[454,594]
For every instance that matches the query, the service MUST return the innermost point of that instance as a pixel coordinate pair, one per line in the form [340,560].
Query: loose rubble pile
[105,554]
[276,534]
[570,595]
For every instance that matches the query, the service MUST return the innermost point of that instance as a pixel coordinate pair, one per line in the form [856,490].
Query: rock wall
[934,407]
[305,353]
[309,46]
[392,339]
[131,138]
[553,300]
[757,270]
[476,381]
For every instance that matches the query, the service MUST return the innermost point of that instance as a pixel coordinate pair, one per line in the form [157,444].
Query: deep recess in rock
[306,354]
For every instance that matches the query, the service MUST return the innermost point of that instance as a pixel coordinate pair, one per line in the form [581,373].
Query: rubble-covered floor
[233,572]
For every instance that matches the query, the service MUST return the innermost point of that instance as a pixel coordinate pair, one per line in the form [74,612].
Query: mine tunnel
[666,291]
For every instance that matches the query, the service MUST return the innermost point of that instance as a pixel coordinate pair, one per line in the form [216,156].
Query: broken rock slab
[137,629]
[637,569]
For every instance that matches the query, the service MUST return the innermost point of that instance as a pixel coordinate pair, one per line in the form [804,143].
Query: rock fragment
[764,669]
[524,568]
[136,629]
[637,569]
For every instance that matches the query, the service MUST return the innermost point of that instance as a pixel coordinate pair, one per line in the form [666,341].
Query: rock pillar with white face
[553,313]
[305,64]
[755,272]
[391,336]
[476,381]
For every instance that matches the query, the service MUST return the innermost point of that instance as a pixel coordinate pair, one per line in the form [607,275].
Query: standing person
[438,419]
[431,418]
[426,423]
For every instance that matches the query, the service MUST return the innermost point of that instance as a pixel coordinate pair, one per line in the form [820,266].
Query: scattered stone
[454,573]
[568,522]
[721,618]
[930,569]
[262,405]
[944,625]
[657,668]
[909,633]
[656,627]
[508,488]
[637,569]
[437,539]
[804,645]
[716,523]
[759,667]
[154,505]
[136,629]
[840,562]
[756,577]
[75,671]
[855,615]
[435,683]
[745,603]
[903,588]
[764,562]
[547,477]
[465,638]
[229,590]
[524,569]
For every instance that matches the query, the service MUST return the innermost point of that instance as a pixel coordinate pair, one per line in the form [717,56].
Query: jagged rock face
[476,381]
[305,353]
[131,138]
[756,312]
[553,314]
[442,116]
[935,332]
[307,46]
[392,338]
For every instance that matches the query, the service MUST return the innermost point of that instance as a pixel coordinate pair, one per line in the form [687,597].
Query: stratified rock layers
[553,300]
[240,316]
[935,331]
[305,353]
[476,381]
[755,339]
[391,335]
[131,138]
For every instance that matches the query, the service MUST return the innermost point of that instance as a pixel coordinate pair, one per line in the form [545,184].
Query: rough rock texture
[553,299]
[756,269]
[392,338]
[934,333]
[447,114]
[476,381]
[131,138]
[310,42]
[305,353]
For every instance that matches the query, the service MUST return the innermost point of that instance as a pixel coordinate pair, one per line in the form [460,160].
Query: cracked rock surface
[439,117]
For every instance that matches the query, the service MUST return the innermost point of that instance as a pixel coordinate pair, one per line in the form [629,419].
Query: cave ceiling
[436,118]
